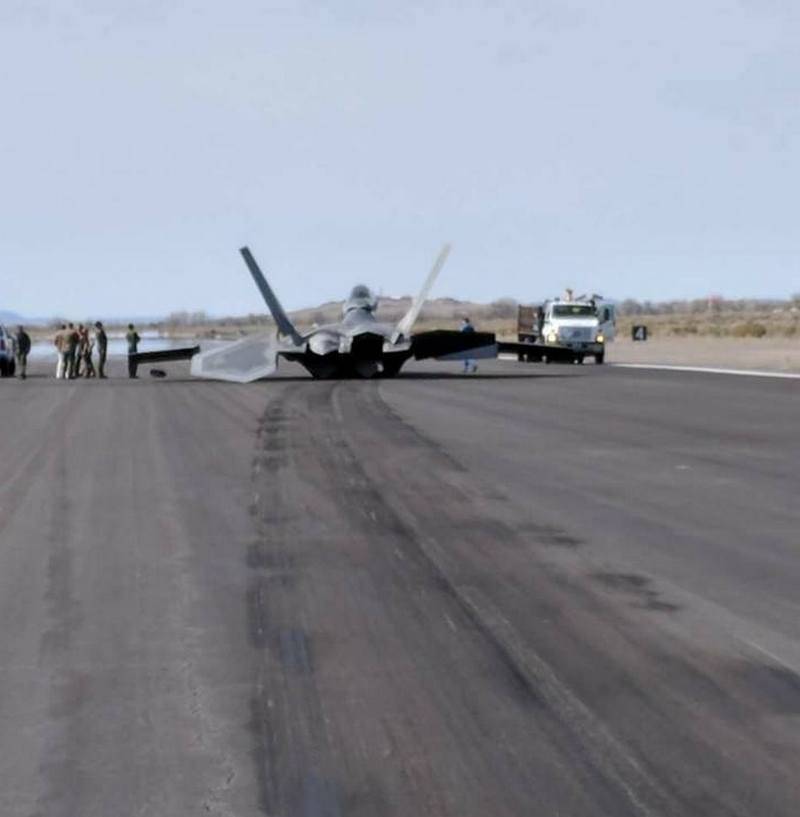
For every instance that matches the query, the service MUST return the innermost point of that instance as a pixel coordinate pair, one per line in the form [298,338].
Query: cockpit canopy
[360,298]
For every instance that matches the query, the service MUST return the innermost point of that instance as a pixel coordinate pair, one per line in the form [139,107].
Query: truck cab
[7,353]
[583,326]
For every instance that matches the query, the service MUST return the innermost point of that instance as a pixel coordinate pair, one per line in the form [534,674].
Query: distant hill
[391,310]
[7,316]
[439,313]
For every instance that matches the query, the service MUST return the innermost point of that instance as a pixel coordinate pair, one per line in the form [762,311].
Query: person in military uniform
[101,341]
[23,348]
[72,351]
[133,347]
[79,356]
[85,352]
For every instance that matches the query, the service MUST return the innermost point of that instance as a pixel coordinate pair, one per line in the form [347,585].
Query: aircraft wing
[445,344]
[535,351]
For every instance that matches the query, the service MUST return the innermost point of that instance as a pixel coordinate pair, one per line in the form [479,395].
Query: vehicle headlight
[552,337]
[600,338]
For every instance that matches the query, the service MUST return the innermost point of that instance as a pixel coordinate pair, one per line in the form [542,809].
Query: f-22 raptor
[358,346]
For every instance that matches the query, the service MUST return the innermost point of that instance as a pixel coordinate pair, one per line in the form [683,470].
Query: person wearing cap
[23,348]
[101,342]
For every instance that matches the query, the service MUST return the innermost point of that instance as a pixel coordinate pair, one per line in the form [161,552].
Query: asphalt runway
[537,591]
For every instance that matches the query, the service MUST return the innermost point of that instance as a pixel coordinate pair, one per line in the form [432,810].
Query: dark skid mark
[318,798]
[275,516]
[274,463]
[626,582]
[260,556]
[64,610]
[257,624]
[635,584]
[660,606]
[777,687]
[491,529]
[563,540]
[265,752]
[295,651]
[552,537]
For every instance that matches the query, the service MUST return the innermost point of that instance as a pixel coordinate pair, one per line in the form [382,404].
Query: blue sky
[635,149]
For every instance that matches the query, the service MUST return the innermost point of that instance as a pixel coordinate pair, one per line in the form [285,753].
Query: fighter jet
[358,346]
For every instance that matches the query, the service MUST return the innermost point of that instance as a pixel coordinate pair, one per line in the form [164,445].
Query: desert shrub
[502,308]
[749,329]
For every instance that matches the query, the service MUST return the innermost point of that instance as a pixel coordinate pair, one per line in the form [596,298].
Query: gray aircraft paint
[357,346]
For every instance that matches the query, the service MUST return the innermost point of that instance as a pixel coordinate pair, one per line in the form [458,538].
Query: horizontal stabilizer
[285,326]
[159,355]
[242,361]
[162,355]
[444,343]
[481,353]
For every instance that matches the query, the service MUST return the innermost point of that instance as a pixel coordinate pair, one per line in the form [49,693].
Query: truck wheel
[600,358]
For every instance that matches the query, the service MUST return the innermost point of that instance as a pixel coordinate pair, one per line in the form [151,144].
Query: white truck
[568,328]
[8,361]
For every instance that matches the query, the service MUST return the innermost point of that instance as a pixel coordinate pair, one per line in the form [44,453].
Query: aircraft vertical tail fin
[406,323]
[285,326]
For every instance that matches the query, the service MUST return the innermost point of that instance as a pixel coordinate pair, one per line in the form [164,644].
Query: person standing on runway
[101,341]
[23,347]
[470,365]
[133,347]
[85,352]
[72,350]
[61,344]
[79,351]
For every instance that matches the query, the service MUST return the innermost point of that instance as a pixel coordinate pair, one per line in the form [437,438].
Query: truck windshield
[573,311]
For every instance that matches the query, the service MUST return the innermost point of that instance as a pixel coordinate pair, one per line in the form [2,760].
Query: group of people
[76,347]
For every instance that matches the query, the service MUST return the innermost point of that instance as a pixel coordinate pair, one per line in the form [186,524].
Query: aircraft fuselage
[357,346]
